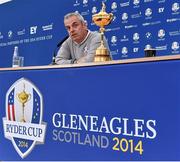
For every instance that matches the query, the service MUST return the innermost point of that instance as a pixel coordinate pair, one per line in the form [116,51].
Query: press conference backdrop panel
[37,27]
[113,112]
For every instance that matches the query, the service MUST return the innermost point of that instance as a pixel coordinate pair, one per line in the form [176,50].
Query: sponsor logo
[47,27]
[124,16]
[151,23]
[161,1]
[114,18]
[124,50]
[112,29]
[148,35]
[85,2]
[104,1]
[114,6]
[24,112]
[136,37]
[175,46]
[161,33]
[172,20]
[136,2]
[115,52]
[21,32]
[85,13]
[124,39]
[161,48]
[33,30]
[174,33]
[94,10]
[113,39]
[125,4]
[77,3]
[10,34]
[130,26]
[148,1]
[175,7]
[148,12]
[135,49]
[161,10]
[138,15]
[1,36]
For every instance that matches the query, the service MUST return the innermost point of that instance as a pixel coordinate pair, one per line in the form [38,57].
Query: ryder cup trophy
[102,19]
[23,98]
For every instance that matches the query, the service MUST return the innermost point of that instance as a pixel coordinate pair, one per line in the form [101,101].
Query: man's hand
[81,60]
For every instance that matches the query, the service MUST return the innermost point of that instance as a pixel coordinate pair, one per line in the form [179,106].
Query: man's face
[77,30]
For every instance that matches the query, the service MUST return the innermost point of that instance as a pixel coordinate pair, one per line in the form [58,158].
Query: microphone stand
[54,58]
[56,49]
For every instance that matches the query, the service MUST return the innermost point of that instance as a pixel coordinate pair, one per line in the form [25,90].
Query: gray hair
[77,14]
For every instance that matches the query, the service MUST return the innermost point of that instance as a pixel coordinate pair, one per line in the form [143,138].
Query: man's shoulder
[94,35]
[68,41]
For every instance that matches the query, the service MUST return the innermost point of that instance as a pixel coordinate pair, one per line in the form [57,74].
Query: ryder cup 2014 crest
[24,112]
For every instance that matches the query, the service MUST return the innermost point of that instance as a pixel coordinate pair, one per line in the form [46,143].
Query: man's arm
[92,46]
[64,55]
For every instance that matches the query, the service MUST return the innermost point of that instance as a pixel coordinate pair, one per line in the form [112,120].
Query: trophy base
[23,120]
[102,54]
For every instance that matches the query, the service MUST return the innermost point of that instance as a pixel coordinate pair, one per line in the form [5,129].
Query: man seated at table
[81,44]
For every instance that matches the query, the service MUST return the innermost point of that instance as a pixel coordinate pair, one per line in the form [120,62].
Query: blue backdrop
[37,27]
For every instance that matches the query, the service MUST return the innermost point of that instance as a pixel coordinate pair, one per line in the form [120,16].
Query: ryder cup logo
[113,39]
[124,16]
[114,6]
[94,9]
[24,112]
[175,7]
[124,50]
[136,2]
[175,46]
[161,33]
[85,1]
[136,37]
[148,12]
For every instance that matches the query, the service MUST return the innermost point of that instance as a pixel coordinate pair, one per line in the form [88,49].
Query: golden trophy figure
[102,19]
[23,98]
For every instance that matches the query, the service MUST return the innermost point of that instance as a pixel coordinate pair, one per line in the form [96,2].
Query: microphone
[57,47]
